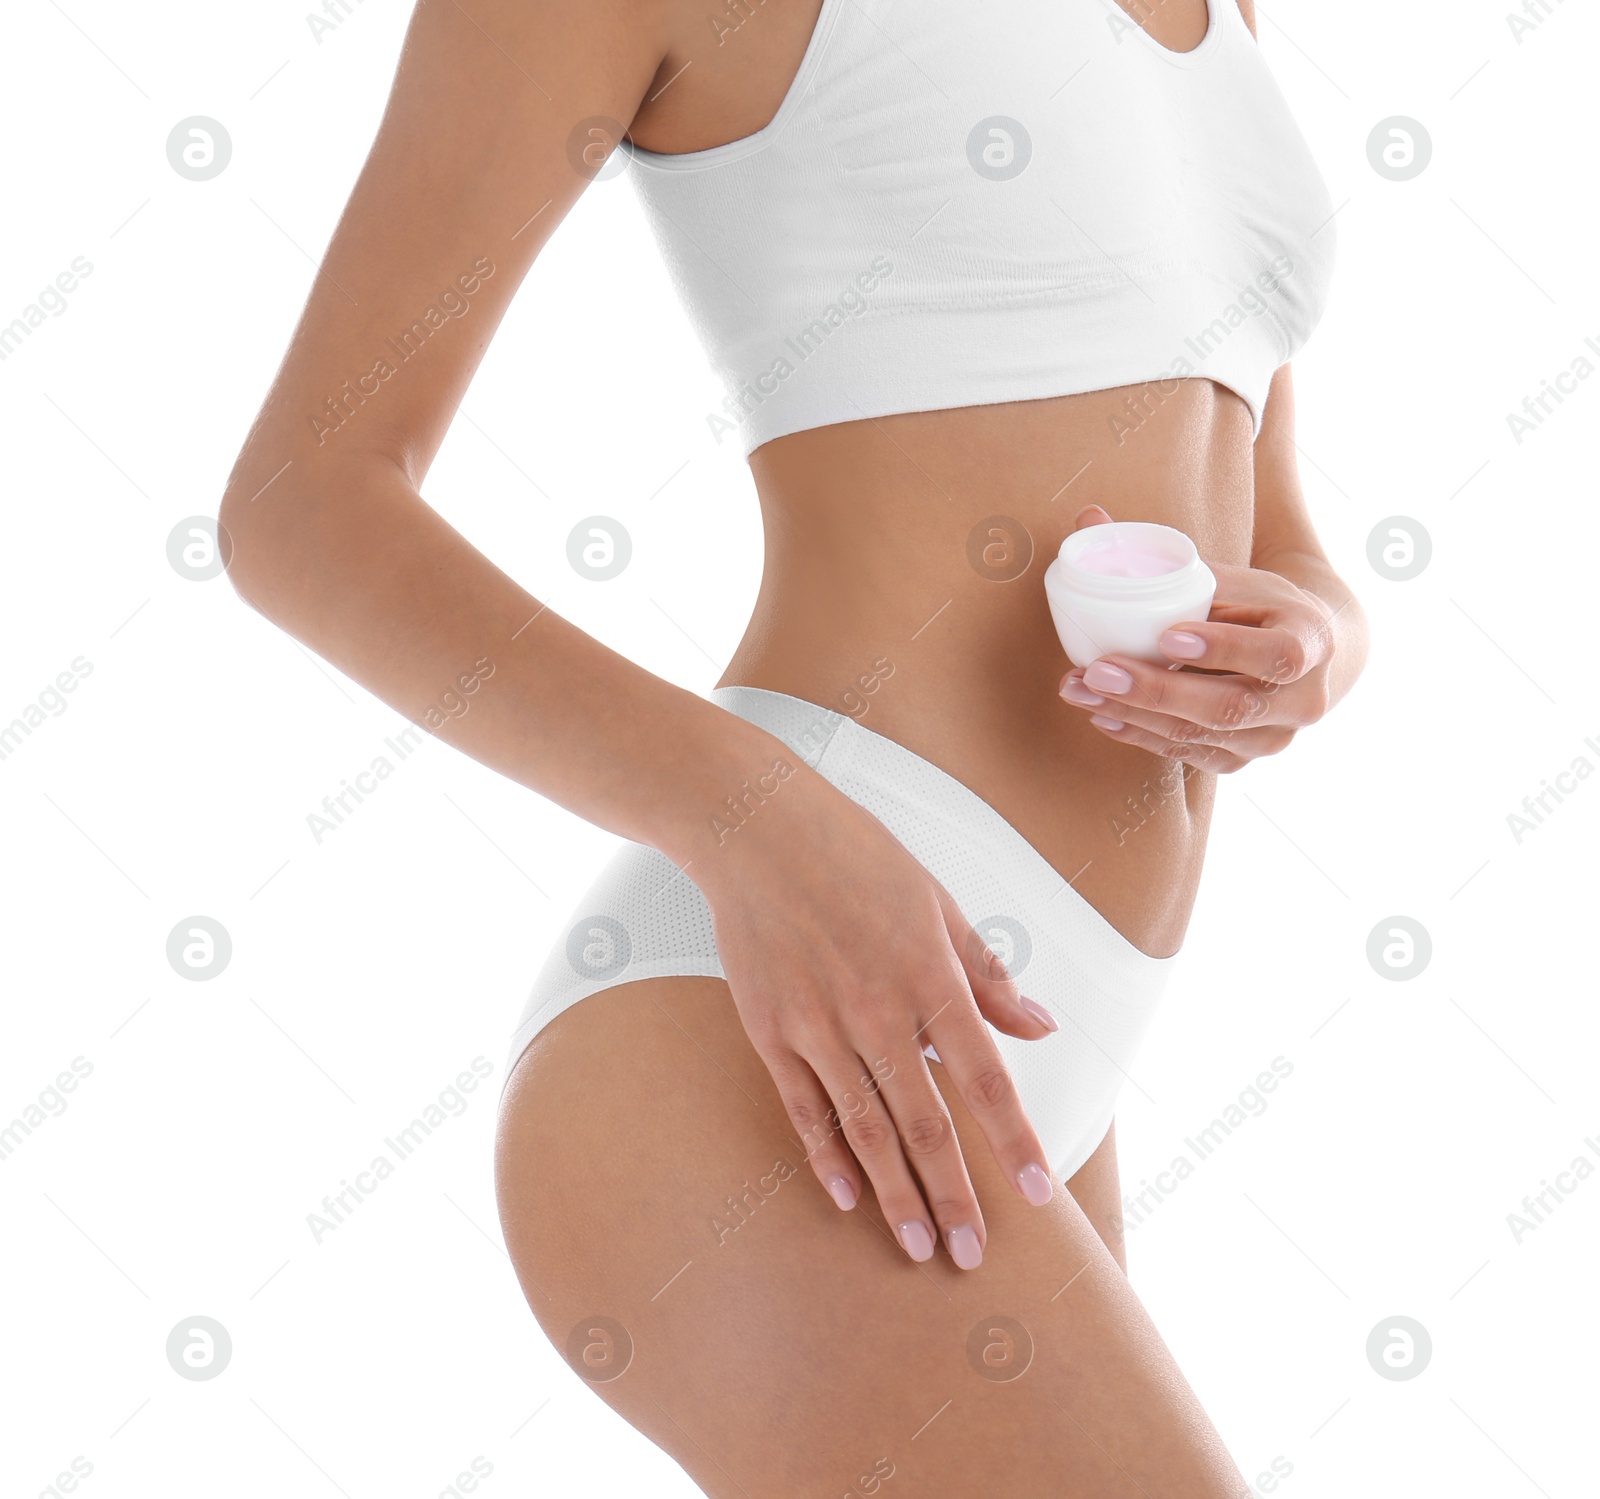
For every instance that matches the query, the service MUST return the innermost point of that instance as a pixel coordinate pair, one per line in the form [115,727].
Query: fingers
[999,1000]
[974,1064]
[1278,653]
[1221,750]
[985,1085]
[1222,701]
[1261,625]
[889,1122]
[901,1134]
[819,1126]
[1217,758]
[932,1150]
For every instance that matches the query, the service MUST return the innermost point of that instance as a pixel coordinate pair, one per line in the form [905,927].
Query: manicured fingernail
[1074,691]
[1039,1013]
[842,1192]
[1106,676]
[916,1240]
[1035,1184]
[929,1052]
[964,1247]
[1182,643]
[1105,723]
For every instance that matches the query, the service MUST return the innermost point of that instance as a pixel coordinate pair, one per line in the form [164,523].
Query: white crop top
[959,203]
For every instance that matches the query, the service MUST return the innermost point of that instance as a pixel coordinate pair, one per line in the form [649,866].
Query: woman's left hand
[1271,644]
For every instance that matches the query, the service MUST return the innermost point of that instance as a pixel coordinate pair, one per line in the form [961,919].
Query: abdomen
[904,586]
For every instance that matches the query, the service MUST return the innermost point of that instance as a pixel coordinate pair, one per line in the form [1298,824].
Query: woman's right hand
[844,957]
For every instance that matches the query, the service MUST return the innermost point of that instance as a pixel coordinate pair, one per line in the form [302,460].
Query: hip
[644,920]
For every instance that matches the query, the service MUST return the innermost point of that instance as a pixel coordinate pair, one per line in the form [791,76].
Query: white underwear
[643,918]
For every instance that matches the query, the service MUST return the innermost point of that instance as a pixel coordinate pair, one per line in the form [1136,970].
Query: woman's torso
[903,586]
[905,551]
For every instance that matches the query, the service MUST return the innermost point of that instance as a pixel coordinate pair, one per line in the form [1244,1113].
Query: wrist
[1346,627]
[727,772]
[1344,620]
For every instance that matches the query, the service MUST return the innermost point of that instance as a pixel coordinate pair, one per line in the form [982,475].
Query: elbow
[240,542]
[255,550]
[294,544]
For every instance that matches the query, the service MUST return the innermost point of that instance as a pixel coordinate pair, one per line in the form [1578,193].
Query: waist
[904,589]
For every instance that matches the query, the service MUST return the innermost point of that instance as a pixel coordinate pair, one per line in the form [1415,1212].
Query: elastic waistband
[805,727]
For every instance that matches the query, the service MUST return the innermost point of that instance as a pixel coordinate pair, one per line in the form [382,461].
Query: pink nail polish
[842,1192]
[1075,692]
[1039,1013]
[1106,676]
[1105,723]
[964,1247]
[1182,643]
[916,1240]
[1035,1184]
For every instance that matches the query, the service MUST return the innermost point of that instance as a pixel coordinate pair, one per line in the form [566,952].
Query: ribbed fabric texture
[853,259]
[643,919]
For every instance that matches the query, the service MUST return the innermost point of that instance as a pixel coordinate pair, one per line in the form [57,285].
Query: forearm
[1346,622]
[357,567]
[1285,542]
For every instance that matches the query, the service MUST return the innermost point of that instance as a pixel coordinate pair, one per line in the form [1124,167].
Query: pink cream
[1125,560]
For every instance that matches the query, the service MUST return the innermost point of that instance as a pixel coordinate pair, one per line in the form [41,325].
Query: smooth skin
[823,1256]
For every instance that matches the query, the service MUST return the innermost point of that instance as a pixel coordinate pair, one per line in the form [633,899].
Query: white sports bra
[959,203]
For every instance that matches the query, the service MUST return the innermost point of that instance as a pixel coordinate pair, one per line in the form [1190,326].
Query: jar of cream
[1116,587]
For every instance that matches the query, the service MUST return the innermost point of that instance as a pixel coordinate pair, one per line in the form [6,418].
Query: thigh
[676,1247]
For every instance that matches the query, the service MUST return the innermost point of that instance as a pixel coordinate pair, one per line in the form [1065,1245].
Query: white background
[369,970]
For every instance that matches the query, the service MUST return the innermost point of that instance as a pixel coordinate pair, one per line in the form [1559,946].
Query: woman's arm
[1285,542]
[838,946]
[468,177]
